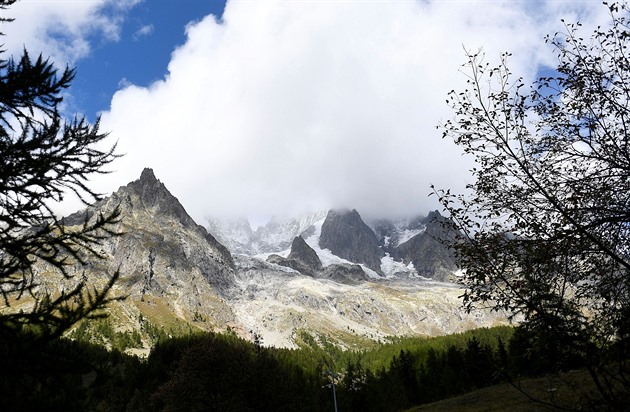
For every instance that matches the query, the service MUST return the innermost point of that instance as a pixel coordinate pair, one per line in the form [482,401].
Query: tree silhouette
[43,158]
[546,227]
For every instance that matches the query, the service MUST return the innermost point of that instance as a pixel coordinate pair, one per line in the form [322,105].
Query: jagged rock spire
[303,253]
[346,235]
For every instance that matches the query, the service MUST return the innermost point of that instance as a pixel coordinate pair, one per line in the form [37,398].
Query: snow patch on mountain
[393,233]
[394,269]
[235,234]
[274,237]
[406,234]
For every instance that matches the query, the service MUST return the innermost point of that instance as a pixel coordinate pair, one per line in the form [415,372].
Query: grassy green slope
[568,390]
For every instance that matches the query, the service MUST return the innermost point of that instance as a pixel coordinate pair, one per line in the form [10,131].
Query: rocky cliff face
[302,258]
[346,235]
[425,251]
[172,270]
[303,253]
[160,256]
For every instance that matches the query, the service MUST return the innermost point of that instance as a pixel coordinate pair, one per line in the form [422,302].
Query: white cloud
[287,106]
[61,29]
[124,82]
[143,31]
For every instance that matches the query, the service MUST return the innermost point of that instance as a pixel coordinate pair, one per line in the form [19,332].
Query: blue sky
[260,108]
[150,32]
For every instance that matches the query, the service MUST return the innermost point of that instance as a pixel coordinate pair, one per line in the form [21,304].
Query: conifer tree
[43,158]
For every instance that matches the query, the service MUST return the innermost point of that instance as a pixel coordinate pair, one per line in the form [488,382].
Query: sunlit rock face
[170,268]
[162,246]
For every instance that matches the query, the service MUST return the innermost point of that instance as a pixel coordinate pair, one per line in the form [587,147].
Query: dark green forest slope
[224,372]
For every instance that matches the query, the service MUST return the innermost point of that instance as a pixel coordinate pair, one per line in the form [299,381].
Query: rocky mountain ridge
[277,235]
[383,248]
[179,277]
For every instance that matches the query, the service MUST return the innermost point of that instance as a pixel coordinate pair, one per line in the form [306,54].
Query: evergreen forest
[223,372]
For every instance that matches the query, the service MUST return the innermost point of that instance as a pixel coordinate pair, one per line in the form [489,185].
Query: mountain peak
[148,186]
[147,175]
[154,197]
[433,215]
[344,213]
[346,235]
[153,194]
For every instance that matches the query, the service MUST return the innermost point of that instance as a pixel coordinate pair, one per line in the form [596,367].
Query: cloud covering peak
[281,107]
